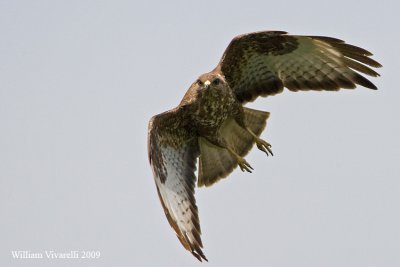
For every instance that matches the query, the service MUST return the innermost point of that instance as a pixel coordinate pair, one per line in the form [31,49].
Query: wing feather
[263,63]
[173,153]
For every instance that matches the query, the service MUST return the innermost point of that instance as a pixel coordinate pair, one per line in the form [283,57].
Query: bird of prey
[211,124]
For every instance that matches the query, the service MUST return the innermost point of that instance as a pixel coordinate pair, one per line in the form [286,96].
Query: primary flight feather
[211,124]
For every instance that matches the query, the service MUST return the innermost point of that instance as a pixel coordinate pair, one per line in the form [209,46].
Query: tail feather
[256,120]
[216,162]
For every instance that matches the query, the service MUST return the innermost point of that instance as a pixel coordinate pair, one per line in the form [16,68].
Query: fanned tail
[216,162]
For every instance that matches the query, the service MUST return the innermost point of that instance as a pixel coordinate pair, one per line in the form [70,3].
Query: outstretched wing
[173,152]
[263,63]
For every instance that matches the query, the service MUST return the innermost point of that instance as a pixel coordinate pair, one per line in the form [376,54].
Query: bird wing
[263,63]
[173,152]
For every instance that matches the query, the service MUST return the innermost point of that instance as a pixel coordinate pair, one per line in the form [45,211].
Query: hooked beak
[207,84]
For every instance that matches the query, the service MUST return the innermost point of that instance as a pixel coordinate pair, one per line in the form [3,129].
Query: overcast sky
[79,81]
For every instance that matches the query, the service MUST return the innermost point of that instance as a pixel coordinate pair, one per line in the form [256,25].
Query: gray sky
[79,81]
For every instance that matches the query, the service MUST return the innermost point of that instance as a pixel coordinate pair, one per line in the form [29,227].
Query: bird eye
[199,82]
[216,81]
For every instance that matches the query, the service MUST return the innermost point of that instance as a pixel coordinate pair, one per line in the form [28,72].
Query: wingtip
[199,255]
[374,87]
[361,80]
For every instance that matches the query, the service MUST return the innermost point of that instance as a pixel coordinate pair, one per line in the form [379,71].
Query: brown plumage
[211,123]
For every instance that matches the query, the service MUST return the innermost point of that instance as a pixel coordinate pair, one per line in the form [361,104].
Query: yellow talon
[243,164]
[264,146]
[261,144]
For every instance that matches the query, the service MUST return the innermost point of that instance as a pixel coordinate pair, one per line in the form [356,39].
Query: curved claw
[264,146]
[244,165]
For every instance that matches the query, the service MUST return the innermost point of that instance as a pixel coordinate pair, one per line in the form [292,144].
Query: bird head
[207,86]
[210,81]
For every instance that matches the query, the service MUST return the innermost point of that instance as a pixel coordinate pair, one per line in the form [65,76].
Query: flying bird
[212,126]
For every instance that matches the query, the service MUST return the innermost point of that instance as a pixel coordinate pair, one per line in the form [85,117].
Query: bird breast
[213,109]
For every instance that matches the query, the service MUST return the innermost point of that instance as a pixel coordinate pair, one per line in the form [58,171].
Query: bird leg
[261,144]
[243,164]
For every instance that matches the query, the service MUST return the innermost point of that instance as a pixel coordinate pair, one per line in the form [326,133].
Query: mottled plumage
[211,123]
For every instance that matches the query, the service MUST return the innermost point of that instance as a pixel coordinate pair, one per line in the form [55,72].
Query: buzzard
[212,125]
